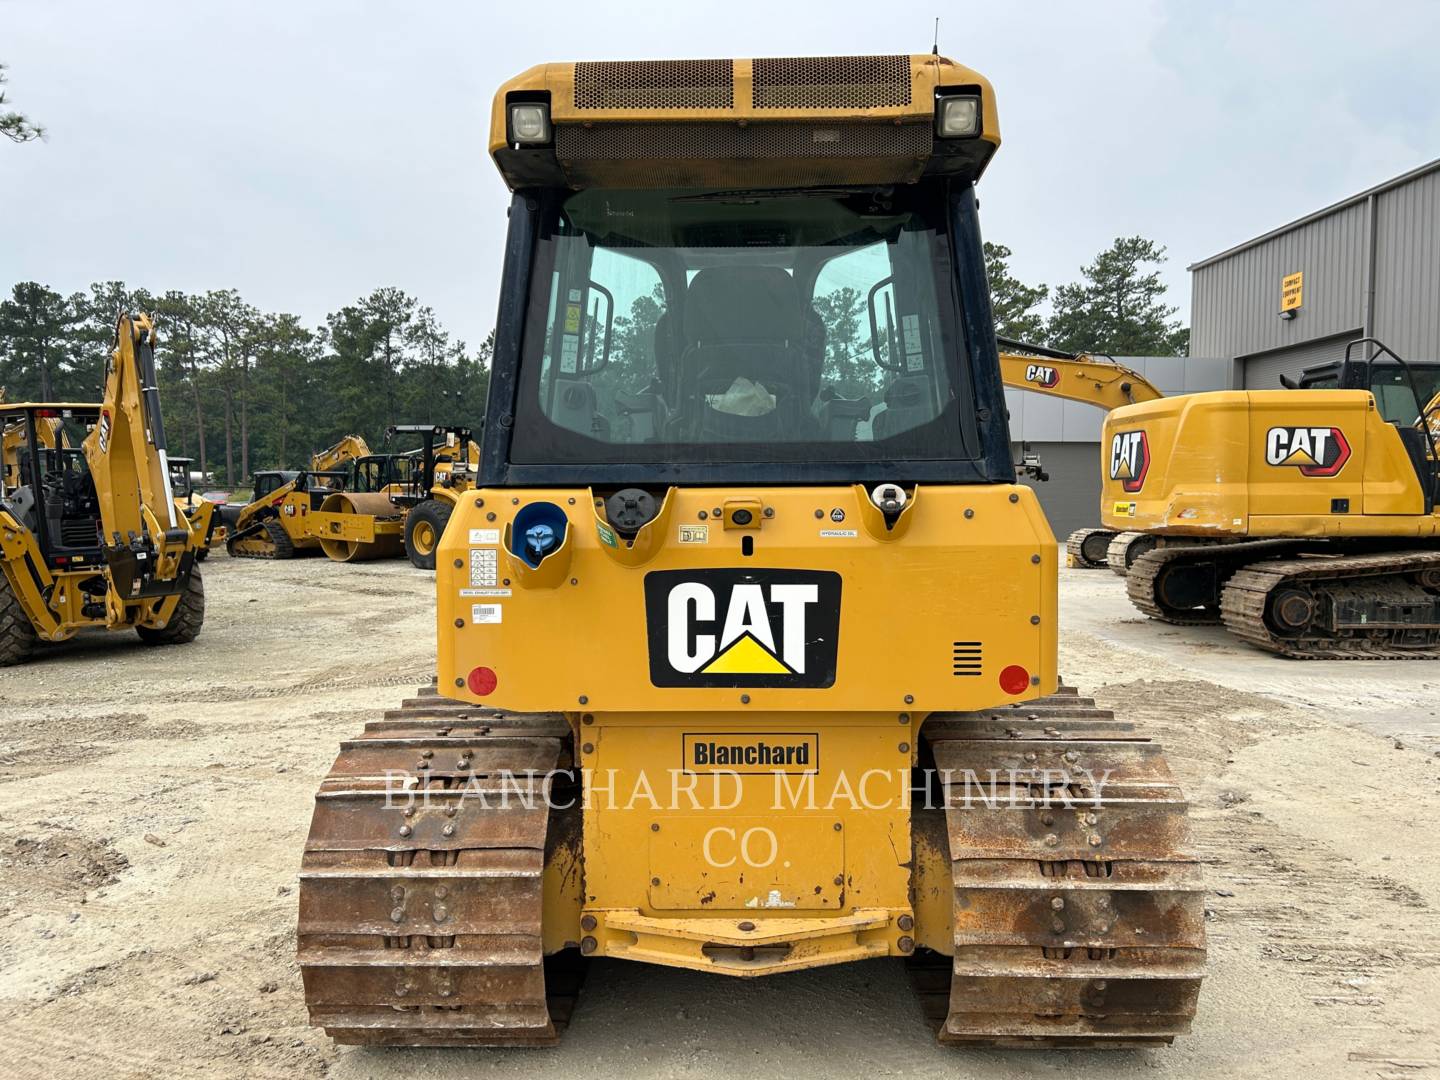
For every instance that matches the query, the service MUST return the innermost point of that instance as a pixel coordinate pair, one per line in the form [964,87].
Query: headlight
[530,123]
[957,117]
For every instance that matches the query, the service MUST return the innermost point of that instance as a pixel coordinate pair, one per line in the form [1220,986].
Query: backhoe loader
[90,536]
[1303,519]
[1092,380]
[736,674]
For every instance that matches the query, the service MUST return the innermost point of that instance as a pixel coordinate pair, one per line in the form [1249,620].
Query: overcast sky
[307,152]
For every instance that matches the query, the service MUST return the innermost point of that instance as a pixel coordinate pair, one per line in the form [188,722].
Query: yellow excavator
[1091,380]
[737,673]
[90,537]
[1303,519]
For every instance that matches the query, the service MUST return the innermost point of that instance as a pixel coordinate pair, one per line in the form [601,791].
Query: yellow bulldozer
[90,537]
[737,673]
[1303,519]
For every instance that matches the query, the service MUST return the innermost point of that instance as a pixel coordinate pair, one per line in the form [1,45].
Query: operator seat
[746,322]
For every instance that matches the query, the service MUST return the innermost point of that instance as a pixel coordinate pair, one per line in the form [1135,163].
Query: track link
[1126,547]
[423,928]
[1087,548]
[1247,597]
[272,542]
[1078,911]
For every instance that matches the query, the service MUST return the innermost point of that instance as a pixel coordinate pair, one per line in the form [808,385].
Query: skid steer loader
[90,536]
[730,677]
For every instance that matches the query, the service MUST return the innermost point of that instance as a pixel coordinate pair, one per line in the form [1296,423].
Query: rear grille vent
[79,534]
[966,658]
[655,84]
[831,82]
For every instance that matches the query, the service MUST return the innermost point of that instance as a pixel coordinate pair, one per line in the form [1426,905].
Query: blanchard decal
[1130,459]
[742,627]
[1042,375]
[729,751]
[1315,451]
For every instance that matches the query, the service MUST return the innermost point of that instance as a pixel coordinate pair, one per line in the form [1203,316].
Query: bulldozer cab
[784,336]
[49,488]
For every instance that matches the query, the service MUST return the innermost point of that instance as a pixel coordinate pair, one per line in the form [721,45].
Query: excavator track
[1141,584]
[1126,547]
[1079,918]
[421,898]
[268,541]
[1393,602]
[1149,587]
[1087,548]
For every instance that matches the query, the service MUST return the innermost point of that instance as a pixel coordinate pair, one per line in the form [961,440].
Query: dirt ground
[153,804]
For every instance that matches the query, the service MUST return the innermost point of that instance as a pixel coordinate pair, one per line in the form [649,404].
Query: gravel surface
[153,805]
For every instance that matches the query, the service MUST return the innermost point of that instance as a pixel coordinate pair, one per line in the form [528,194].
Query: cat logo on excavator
[1315,451]
[1042,375]
[1129,459]
[742,627]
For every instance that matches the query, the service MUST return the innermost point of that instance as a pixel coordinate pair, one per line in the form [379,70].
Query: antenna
[935,49]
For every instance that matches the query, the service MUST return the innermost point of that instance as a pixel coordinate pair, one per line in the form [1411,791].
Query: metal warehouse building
[1367,266]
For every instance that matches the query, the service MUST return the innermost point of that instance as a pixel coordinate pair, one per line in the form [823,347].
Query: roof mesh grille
[831,82]
[655,84]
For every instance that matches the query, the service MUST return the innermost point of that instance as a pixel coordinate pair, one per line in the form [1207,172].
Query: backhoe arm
[347,449]
[145,542]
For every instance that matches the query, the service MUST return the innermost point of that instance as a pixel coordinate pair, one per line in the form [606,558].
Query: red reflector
[1014,679]
[483,681]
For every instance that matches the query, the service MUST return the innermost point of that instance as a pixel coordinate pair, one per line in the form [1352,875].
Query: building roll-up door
[1263,371]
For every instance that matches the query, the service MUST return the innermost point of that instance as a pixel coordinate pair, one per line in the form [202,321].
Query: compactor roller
[357,526]
[747,644]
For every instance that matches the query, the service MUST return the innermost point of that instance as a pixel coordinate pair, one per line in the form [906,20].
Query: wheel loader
[444,471]
[1303,519]
[90,536]
[729,680]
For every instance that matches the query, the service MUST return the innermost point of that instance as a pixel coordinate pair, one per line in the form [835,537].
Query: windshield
[684,326]
[1393,395]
